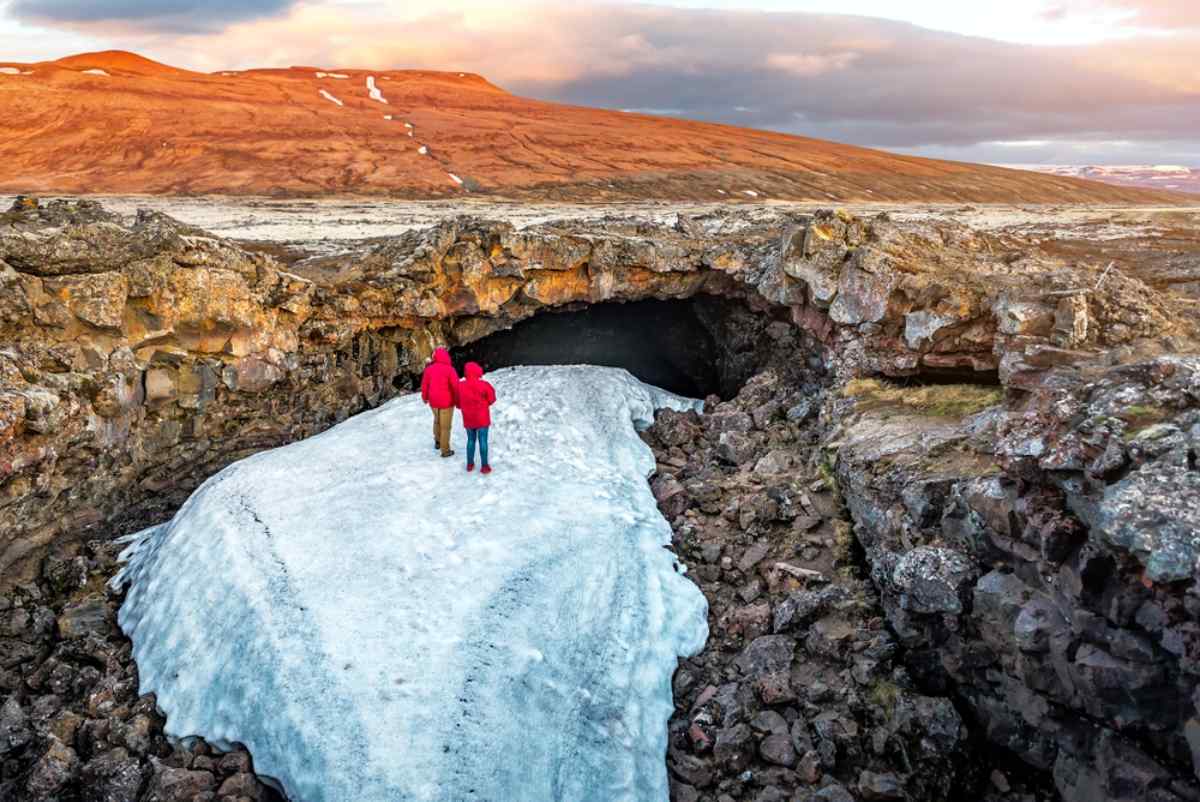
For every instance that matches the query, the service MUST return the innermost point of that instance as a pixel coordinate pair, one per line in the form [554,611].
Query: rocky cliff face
[1029,529]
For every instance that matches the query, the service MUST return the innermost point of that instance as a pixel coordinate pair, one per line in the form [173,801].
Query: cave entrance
[679,345]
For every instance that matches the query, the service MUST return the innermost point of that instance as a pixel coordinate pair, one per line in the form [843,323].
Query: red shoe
[486,469]
[470,467]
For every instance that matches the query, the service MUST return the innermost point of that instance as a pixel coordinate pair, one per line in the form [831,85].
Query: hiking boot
[486,469]
[447,454]
[470,467]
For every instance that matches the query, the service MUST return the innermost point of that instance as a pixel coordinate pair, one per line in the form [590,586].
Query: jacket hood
[473,371]
[441,355]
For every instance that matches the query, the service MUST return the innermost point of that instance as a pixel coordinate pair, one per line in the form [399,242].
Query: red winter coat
[439,384]
[474,397]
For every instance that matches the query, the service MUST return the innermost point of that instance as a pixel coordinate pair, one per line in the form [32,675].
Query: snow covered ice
[375,623]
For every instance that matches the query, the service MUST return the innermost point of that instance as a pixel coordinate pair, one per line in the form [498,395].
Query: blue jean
[481,436]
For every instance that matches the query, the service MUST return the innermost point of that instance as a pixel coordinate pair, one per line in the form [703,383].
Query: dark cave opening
[679,345]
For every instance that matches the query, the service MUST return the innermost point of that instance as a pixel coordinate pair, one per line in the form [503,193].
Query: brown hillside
[115,122]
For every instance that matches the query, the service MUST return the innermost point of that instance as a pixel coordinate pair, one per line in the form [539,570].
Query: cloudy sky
[1018,81]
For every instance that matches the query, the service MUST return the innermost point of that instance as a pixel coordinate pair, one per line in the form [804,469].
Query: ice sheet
[374,623]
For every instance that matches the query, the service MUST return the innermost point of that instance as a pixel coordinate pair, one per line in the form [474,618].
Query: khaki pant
[442,421]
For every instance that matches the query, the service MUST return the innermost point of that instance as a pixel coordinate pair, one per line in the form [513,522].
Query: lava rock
[880,786]
[734,747]
[178,784]
[736,448]
[933,580]
[15,730]
[113,776]
[777,749]
[58,766]
[90,616]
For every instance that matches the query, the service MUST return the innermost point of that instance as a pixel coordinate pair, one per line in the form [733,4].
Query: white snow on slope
[95,72]
[9,71]
[750,192]
[455,179]
[423,150]
[373,90]
[328,96]
[375,623]
[332,75]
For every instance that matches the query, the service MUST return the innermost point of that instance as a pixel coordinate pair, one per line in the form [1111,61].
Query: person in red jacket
[439,389]
[474,397]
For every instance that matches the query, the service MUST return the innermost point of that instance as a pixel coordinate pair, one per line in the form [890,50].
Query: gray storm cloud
[181,16]
[873,81]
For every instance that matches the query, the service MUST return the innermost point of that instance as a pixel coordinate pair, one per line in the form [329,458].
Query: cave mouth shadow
[669,344]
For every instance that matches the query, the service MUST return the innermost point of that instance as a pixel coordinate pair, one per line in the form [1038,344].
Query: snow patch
[373,90]
[95,71]
[376,624]
[455,179]
[331,98]
[387,116]
[750,192]
[423,150]
[9,71]
[332,75]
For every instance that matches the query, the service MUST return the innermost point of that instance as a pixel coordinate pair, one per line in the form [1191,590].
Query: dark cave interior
[685,346]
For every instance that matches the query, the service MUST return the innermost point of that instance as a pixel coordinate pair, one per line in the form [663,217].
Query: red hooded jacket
[439,384]
[474,397]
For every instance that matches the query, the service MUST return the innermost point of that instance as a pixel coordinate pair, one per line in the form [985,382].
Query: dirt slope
[115,122]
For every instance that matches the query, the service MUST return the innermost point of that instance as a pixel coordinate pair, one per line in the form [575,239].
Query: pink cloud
[810,64]
[1152,14]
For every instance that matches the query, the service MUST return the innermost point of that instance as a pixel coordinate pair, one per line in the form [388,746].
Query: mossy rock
[933,400]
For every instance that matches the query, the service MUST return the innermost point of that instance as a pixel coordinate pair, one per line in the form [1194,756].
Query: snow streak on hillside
[374,623]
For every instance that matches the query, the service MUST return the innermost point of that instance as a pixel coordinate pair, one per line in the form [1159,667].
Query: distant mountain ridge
[1173,177]
[116,122]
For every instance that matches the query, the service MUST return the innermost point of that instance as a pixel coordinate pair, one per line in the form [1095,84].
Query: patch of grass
[937,400]
[828,475]
[1140,417]
[1144,413]
[884,694]
[843,540]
